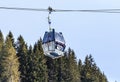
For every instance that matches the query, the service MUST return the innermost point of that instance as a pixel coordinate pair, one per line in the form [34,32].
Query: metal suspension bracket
[49,20]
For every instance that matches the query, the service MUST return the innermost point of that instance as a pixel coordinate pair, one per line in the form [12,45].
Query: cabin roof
[53,36]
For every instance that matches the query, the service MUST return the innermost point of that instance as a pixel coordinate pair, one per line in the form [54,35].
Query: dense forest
[22,63]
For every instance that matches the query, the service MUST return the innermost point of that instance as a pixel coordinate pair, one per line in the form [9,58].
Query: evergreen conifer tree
[1,40]
[86,72]
[69,67]
[39,68]
[64,73]
[12,38]
[80,68]
[30,64]
[90,72]
[73,68]
[9,63]
[22,54]
[1,46]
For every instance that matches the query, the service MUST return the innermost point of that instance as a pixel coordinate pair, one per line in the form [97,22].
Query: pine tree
[61,69]
[9,63]
[69,67]
[86,72]
[30,64]
[64,68]
[80,68]
[51,69]
[12,38]
[39,68]
[73,68]
[22,54]
[57,69]
[90,71]
[1,40]
[1,46]
[102,77]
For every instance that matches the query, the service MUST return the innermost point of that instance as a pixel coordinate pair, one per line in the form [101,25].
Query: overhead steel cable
[62,10]
[95,10]
[26,9]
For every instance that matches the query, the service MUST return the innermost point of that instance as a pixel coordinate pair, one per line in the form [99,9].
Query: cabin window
[51,46]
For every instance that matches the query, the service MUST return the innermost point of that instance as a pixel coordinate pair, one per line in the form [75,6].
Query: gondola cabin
[53,44]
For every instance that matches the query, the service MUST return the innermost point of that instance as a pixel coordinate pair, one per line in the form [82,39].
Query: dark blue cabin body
[53,44]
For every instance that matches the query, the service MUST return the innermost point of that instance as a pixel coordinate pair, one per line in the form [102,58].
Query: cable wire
[25,9]
[60,10]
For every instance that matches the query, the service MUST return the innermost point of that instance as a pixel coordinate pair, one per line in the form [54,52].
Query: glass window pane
[51,46]
[59,47]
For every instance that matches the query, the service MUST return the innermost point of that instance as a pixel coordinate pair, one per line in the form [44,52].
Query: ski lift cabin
[53,44]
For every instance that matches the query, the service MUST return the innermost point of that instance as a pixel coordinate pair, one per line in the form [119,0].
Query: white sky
[87,33]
